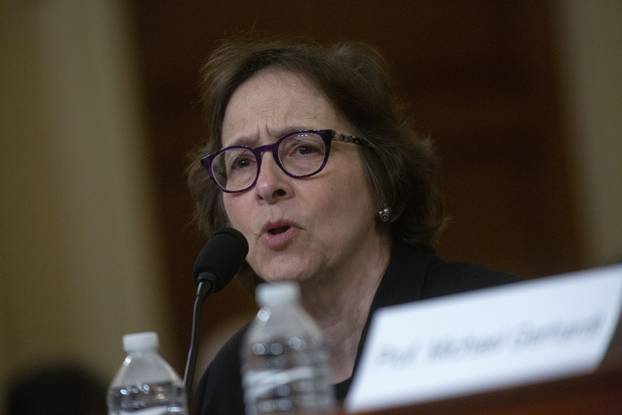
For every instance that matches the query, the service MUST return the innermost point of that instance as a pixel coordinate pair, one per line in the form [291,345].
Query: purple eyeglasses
[299,154]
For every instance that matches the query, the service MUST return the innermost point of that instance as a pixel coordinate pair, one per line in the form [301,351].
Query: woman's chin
[282,278]
[284,274]
[284,268]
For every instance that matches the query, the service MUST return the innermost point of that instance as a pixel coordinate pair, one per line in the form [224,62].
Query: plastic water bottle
[285,362]
[145,384]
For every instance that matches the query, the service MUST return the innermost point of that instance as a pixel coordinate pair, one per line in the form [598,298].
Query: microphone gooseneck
[217,263]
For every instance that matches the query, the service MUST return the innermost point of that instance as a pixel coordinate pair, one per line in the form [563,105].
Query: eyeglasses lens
[235,168]
[302,154]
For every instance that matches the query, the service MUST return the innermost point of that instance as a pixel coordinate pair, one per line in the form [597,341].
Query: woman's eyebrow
[245,140]
[283,131]
[253,140]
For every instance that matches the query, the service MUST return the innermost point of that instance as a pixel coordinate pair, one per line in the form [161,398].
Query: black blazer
[414,273]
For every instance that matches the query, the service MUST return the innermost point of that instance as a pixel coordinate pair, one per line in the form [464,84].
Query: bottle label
[264,381]
[148,411]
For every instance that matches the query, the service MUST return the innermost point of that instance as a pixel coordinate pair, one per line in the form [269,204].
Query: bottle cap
[277,293]
[140,341]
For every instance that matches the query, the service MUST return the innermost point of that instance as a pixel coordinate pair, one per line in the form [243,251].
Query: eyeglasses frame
[327,136]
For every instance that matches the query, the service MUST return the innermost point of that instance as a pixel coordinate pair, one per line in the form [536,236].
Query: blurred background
[100,108]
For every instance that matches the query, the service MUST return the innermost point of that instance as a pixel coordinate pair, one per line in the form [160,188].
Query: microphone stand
[204,287]
[227,248]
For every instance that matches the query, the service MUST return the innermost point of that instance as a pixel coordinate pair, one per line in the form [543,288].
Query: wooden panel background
[480,77]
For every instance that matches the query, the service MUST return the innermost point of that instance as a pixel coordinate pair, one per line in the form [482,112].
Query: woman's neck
[340,302]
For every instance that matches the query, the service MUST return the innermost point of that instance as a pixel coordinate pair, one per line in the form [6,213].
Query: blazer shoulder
[444,278]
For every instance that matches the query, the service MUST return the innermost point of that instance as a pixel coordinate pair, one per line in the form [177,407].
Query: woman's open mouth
[278,235]
[280,229]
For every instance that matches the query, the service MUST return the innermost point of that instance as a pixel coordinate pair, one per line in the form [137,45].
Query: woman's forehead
[275,101]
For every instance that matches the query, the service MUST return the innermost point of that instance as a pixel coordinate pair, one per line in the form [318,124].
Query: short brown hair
[399,163]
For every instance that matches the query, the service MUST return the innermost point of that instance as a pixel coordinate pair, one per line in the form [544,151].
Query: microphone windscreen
[222,256]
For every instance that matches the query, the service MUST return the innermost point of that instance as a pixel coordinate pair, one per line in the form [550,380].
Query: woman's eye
[240,163]
[305,149]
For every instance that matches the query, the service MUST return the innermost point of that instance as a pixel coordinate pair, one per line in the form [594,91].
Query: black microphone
[217,263]
[219,260]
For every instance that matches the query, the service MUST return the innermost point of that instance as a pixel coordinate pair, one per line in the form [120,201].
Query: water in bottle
[145,384]
[285,362]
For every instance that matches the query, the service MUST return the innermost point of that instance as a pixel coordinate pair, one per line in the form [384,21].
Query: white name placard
[487,339]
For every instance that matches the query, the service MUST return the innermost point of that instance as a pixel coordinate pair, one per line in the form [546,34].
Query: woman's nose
[272,182]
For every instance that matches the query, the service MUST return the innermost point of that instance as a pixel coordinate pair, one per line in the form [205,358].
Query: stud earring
[385,214]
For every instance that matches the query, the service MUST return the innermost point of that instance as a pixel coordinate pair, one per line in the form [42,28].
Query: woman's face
[297,229]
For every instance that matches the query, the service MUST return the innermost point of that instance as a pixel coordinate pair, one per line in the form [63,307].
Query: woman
[310,156]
